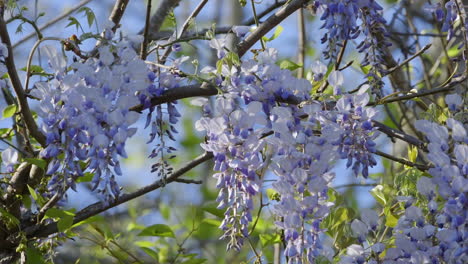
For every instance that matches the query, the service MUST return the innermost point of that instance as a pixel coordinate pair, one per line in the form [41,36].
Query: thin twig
[254,11]
[446,88]
[189,181]
[99,207]
[185,26]
[51,22]
[417,34]
[164,8]
[403,161]
[355,185]
[269,24]
[31,55]
[391,70]
[144,44]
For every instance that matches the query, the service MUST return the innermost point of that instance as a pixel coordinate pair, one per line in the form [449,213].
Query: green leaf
[88,35]
[391,220]
[8,218]
[165,211]
[65,223]
[87,177]
[194,261]
[4,131]
[219,66]
[269,239]
[379,195]
[153,254]
[273,195]
[9,111]
[35,70]
[159,230]
[65,218]
[19,29]
[212,222]
[289,65]
[412,153]
[57,213]
[233,58]
[96,218]
[39,199]
[212,209]
[34,256]
[145,243]
[73,21]
[276,34]
[89,14]
[134,226]
[38,162]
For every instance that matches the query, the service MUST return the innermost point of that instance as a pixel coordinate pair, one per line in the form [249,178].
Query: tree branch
[403,161]
[268,25]
[144,44]
[99,207]
[185,26]
[117,13]
[180,93]
[23,108]
[158,18]
[446,88]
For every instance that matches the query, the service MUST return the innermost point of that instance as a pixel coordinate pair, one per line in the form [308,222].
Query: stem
[30,58]
[144,44]
[256,22]
[302,40]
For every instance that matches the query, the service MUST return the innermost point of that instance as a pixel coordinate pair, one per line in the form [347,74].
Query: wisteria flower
[9,159]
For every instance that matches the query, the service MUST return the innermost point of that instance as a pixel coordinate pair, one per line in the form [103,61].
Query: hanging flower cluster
[440,235]
[356,142]
[341,20]
[258,119]
[86,116]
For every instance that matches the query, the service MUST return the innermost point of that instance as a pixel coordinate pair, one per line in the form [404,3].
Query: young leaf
[9,111]
[38,162]
[159,230]
[276,34]
[73,21]
[289,65]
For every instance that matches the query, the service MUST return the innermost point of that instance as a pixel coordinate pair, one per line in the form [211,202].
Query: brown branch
[268,25]
[446,88]
[403,161]
[117,13]
[23,108]
[159,16]
[393,133]
[421,51]
[189,181]
[302,40]
[179,93]
[99,207]
[144,44]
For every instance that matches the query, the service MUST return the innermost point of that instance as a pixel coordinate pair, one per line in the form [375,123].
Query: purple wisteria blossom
[257,114]
[347,20]
[440,235]
[9,159]
[86,116]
